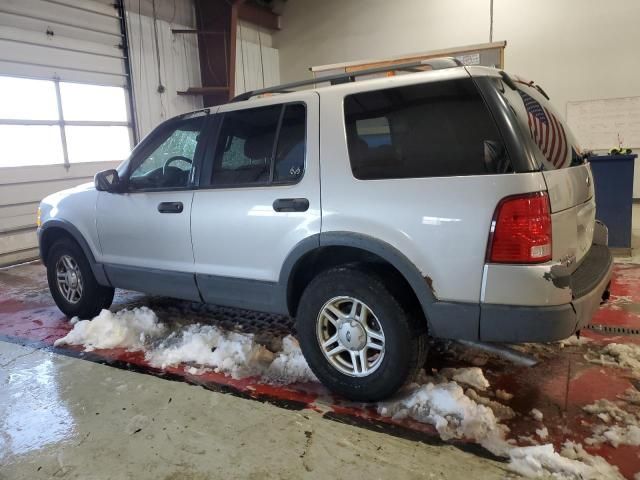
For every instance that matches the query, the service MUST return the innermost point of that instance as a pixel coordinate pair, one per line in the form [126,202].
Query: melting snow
[618,355]
[537,414]
[452,413]
[572,463]
[128,329]
[441,401]
[470,376]
[625,432]
[200,347]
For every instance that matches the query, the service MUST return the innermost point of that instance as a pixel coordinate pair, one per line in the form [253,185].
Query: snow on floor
[198,347]
[438,400]
[130,329]
[616,426]
[460,414]
[572,463]
[617,355]
[231,353]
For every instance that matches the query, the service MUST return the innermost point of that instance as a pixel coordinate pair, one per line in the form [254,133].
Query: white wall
[179,64]
[575,49]
[257,62]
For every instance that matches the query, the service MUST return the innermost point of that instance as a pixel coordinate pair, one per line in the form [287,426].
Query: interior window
[171,162]
[245,146]
[290,154]
[426,130]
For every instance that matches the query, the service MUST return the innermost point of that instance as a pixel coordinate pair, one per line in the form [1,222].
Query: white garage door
[63,90]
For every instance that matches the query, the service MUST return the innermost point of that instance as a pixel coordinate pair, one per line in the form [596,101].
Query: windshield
[554,144]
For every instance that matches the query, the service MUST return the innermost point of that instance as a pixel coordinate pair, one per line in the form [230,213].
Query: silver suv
[453,203]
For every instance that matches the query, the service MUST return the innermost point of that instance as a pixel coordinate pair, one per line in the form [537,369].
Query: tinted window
[245,153]
[554,143]
[426,130]
[245,146]
[290,154]
[169,164]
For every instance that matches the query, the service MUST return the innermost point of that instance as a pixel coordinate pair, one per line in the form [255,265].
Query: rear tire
[328,322]
[72,284]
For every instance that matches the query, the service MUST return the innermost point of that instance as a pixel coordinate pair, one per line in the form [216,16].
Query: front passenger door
[145,233]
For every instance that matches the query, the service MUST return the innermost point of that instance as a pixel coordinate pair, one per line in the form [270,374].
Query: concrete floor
[62,417]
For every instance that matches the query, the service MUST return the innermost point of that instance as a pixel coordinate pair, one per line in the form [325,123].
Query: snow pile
[573,462]
[205,345]
[501,411]
[618,355]
[129,329]
[536,414]
[624,431]
[616,435]
[452,413]
[289,365]
[199,347]
[573,341]
[234,354]
[472,376]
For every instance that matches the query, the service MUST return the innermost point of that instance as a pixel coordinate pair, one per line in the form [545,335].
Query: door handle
[291,205]
[170,207]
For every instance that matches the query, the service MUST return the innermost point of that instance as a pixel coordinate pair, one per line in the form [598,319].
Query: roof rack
[434,63]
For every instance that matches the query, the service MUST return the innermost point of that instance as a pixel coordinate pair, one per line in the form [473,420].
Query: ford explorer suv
[439,200]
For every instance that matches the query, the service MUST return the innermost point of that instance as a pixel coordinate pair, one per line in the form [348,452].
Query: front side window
[425,130]
[170,163]
[260,146]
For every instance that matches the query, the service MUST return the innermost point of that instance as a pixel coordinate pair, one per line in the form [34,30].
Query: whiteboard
[597,123]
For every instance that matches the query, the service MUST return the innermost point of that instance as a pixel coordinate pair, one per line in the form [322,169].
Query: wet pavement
[34,422]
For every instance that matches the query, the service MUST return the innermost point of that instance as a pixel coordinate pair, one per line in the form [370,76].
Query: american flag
[546,130]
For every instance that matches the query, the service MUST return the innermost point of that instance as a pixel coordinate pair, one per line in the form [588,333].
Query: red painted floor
[559,385]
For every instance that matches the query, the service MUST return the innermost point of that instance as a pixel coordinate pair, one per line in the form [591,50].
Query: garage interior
[84,81]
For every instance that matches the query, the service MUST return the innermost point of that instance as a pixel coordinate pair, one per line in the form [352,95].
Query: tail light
[521,230]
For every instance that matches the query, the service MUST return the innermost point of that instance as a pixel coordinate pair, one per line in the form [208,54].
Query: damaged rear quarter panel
[525,285]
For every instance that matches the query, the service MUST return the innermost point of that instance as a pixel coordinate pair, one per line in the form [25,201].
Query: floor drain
[614,329]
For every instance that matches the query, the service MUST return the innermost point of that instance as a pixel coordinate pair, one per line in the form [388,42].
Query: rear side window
[260,146]
[427,130]
[554,143]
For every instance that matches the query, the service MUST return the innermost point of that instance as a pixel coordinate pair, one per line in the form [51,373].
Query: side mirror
[108,181]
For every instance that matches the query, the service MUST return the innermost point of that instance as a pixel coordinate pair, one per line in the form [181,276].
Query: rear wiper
[539,88]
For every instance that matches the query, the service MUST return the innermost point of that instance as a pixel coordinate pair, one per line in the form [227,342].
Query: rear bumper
[517,323]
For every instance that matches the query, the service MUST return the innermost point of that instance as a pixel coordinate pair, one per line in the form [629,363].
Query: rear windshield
[426,130]
[553,142]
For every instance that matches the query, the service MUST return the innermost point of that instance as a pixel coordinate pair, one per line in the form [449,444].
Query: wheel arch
[331,249]
[55,229]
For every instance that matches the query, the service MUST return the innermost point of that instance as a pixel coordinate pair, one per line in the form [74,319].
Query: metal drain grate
[614,329]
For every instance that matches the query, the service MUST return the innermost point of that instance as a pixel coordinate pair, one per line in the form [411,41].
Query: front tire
[359,339]
[72,284]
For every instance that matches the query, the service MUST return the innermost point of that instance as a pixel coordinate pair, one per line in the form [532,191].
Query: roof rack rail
[434,63]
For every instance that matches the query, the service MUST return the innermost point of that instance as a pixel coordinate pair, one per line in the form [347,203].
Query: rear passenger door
[259,197]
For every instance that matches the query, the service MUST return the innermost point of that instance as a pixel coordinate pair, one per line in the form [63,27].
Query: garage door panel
[31,192]
[10,224]
[38,173]
[22,69]
[11,51]
[61,13]
[10,33]
[71,41]
[68,31]
[12,242]
[89,6]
